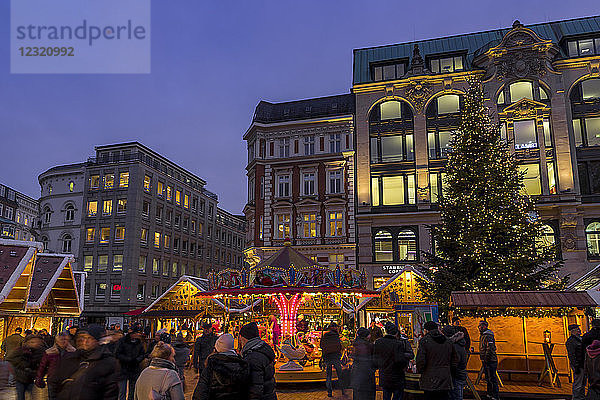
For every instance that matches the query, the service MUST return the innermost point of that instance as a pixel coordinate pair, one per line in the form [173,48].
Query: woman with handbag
[160,381]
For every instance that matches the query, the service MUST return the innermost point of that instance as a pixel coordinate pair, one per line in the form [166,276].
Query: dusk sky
[212,62]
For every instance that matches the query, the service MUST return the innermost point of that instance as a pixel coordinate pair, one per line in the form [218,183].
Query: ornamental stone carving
[518,65]
[569,241]
[417,92]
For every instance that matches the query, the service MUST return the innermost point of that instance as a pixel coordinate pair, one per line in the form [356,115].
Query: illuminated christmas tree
[489,237]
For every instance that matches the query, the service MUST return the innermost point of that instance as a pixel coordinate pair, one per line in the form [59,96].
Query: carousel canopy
[541,298]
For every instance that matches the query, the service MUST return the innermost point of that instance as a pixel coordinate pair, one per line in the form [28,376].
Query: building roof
[287,257]
[470,44]
[587,281]
[321,107]
[541,298]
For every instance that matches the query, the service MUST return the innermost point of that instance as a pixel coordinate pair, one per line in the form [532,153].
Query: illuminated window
[109,181]
[142,263]
[160,187]
[174,270]
[446,64]
[375,192]
[88,262]
[121,205]
[167,241]
[147,183]
[69,212]
[100,290]
[144,235]
[283,226]
[525,134]
[520,90]
[120,233]
[547,133]
[124,179]
[260,227]
[90,234]
[592,235]
[336,223]
[577,132]
[104,235]
[448,104]
[383,246]
[551,177]
[71,186]
[531,179]
[393,190]
[102,263]
[155,266]
[165,269]
[92,208]
[336,259]
[590,89]
[169,193]
[592,131]
[94,181]
[434,187]
[500,99]
[309,225]
[117,262]
[283,185]
[546,238]
[390,110]
[186,201]
[178,197]
[407,245]
[107,207]
[438,144]
[156,239]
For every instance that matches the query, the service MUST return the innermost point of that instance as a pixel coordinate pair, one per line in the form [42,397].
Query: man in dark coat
[436,359]
[362,378]
[391,355]
[226,375]
[574,351]
[26,361]
[130,353]
[590,336]
[204,345]
[261,361]
[459,328]
[331,348]
[459,374]
[12,342]
[91,372]
[489,359]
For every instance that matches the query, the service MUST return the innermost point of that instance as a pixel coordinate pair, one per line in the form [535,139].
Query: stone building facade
[300,179]
[542,84]
[140,222]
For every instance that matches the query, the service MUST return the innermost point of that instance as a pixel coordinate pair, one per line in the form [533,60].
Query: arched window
[407,245]
[442,121]
[448,104]
[547,237]
[383,246]
[47,214]
[45,242]
[522,90]
[66,243]
[592,235]
[391,132]
[69,212]
[71,186]
[586,122]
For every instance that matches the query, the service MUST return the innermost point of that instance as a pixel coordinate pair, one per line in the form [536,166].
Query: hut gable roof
[541,298]
[52,276]
[16,259]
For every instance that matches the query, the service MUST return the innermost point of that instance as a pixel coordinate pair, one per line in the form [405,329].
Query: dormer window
[446,64]
[584,47]
[390,71]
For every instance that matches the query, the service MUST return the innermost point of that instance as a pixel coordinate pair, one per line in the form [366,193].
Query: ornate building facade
[300,179]
[542,85]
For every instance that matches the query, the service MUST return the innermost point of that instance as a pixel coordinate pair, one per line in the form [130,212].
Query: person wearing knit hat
[225,376]
[576,361]
[261,361]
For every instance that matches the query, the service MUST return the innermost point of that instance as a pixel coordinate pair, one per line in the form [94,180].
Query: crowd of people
[92,363]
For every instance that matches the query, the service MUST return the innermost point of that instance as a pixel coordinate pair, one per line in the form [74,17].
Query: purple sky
[212,62]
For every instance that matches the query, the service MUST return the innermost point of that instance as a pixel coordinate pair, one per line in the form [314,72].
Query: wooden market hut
[522,322]
[36,289]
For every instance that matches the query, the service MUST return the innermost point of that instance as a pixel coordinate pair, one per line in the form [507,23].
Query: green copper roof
[467,43]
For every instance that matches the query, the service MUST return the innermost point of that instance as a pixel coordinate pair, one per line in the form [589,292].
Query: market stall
[37,290]
[530,328]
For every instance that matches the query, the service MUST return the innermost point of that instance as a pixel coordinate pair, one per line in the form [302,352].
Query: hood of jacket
[257,344]
[593,349]
[437,336]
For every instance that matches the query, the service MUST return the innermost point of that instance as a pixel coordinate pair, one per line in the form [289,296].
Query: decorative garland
[518,312]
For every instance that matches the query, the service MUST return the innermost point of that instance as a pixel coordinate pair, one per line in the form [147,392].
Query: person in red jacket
[50,361]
